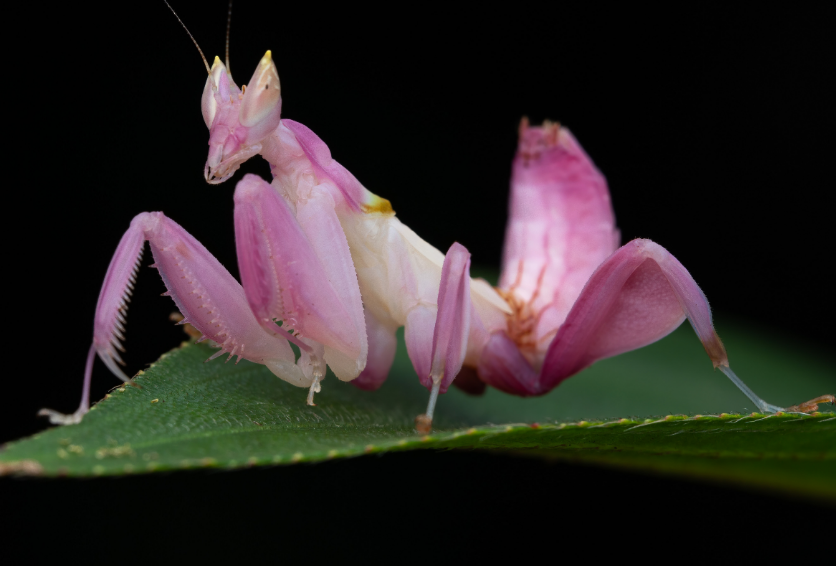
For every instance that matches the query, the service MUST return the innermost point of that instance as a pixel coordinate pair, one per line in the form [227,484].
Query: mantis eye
[261,104]
[208,104]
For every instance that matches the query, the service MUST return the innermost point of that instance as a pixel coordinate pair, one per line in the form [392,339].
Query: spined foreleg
[207,295]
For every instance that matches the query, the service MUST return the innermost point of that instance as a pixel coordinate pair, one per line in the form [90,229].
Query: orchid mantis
[326,265]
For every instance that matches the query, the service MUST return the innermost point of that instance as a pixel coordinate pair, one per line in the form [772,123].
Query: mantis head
[238,119]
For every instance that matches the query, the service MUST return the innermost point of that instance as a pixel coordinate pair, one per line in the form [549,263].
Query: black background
[713,126]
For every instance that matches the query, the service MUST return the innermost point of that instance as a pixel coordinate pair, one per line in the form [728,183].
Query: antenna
[228,25]
[208,70]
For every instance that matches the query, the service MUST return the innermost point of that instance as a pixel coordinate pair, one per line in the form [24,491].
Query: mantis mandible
[330,261]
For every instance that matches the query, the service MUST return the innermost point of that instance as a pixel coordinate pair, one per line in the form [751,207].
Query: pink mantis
[331,262]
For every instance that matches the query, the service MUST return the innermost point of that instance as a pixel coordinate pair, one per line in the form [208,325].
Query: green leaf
[184,413]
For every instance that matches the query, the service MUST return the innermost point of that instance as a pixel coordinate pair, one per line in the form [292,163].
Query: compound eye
[208,104]
[263,94]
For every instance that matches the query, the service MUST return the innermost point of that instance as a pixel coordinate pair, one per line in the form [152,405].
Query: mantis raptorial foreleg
[206,294]
[284,280]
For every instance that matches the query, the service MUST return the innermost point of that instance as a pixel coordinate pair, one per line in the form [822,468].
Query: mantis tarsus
[331,262]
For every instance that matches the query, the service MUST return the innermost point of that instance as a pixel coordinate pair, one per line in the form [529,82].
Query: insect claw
[424,423]
[315,388]
[812,405]
[60,418]
[74,418]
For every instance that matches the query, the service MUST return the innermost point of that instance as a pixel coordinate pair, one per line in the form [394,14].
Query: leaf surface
[183,413]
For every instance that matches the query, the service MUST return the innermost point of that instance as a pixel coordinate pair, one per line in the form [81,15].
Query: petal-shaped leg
[637,296]
[504,367]
[452,326]
[436,339]
[382,348]
[451,329]
[418,332]
[318,220]
[469,382]
[297,268]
